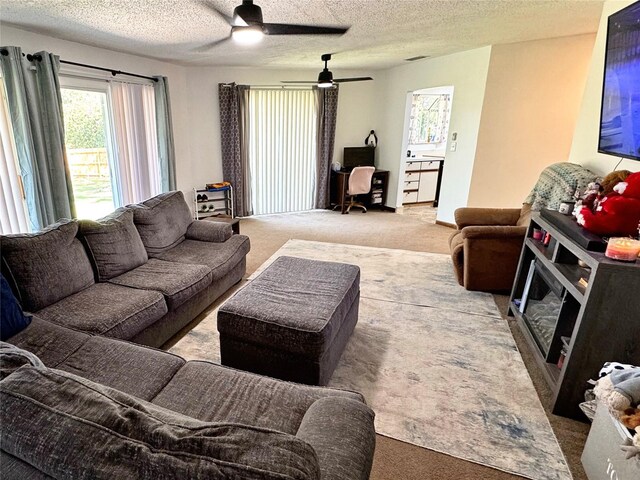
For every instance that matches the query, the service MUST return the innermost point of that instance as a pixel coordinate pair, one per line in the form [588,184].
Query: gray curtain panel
[327,111]
[234,139]
[166,150]
[35,107]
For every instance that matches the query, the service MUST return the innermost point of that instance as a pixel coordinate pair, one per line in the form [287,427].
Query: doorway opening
[424,147]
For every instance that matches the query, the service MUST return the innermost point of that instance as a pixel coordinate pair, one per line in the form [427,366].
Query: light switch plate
[453,147]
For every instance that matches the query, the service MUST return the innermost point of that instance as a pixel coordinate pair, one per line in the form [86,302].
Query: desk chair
[359,184]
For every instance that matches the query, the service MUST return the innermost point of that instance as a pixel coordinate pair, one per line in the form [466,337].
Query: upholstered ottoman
[292,321]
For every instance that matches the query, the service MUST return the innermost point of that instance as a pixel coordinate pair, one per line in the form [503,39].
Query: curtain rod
[94,67]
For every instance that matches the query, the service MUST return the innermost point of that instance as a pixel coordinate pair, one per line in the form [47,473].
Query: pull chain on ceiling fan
[248,26]
[325,78]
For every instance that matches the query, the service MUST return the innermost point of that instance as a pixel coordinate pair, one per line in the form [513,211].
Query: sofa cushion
[162,221]
[220,257]
[47,266]
[50,342]
[209,231]
[108,309]
[178,282]
[12,318]
[214,393]
[113,243]
[69,427]
[130,368]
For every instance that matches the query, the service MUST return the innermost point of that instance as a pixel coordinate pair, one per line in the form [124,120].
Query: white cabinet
[420,181]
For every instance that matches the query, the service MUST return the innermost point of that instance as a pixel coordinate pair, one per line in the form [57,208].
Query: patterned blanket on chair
[559,182]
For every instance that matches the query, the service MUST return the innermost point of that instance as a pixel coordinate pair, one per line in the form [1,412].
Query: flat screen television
[358,157]
[620,113]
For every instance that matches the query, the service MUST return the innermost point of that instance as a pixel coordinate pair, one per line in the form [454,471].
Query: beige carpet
[412,231]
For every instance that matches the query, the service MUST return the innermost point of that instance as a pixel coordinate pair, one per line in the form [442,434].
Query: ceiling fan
[248,27]
[325,78]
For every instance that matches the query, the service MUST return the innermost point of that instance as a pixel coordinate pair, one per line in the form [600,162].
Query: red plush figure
[617,213]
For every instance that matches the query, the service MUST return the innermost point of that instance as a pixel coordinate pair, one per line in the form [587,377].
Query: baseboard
[446,224]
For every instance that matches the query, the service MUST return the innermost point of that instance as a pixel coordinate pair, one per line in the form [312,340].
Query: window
[282,149]
[13,215]
[89,153]
[429,118]
[112,144]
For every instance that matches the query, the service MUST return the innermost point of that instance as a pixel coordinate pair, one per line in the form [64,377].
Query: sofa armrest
[208,231]
[493,232]
[468,216]
[341,432]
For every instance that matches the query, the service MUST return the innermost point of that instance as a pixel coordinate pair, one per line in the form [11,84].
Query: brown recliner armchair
[486,247]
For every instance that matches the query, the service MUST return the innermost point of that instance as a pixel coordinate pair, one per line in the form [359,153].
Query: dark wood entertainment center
[571,328]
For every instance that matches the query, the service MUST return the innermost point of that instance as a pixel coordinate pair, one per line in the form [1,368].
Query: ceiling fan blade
[233,21]
[208,46]
[286,29]
[354,79]
[298,81]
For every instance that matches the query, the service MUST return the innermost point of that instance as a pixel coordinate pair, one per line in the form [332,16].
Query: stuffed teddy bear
[588,198]
[630,418]
[611,180]
[619,391]
[617,213]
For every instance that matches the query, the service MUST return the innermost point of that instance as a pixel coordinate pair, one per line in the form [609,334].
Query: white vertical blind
[134,125]
[13,214]
[282,150]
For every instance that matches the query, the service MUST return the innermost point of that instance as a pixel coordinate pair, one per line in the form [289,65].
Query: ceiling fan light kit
[249,35]
[325,79]
[249,28]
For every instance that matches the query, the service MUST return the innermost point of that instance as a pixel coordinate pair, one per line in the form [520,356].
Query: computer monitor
[358,157]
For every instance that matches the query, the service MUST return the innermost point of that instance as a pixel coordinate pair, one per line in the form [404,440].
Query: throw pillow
[13,319]
[67,426]
[114,244]
[162,221]
[46,266]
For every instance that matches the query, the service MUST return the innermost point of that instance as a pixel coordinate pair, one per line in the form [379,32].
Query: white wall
[357,111]
[584,149]
[77,52]
[531,104]
[467,73]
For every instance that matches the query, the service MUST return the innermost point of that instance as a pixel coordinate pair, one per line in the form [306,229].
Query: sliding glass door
[282,149]
[89,154]
[111,142]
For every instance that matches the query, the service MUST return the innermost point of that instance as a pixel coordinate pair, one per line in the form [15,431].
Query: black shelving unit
[600,317]
[218,203]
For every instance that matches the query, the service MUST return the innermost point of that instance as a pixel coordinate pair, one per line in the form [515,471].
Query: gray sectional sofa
[140,274]
[95,403]
[336,424]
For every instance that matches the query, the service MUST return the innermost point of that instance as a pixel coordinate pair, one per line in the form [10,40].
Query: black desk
[377,196]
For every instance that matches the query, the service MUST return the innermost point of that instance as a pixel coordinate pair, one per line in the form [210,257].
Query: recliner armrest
[493,232]
[469,216]
[208,231]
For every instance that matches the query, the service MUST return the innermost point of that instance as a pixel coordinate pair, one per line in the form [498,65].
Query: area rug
[436,363]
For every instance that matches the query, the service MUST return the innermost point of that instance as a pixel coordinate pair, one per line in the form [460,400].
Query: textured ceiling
[383,32]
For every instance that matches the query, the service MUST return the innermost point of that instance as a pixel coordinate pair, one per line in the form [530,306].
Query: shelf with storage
[421,179]
[576,309]
[213,202]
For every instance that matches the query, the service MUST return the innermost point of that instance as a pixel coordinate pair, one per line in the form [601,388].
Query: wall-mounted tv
[358,157]
[620,113]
